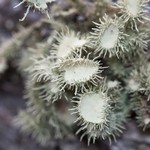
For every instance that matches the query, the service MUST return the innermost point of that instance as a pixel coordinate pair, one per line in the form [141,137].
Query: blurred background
[12,91]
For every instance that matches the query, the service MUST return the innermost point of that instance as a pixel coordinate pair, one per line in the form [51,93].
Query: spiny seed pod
[97,117]
[38,4]
[41,70]
[78,72]
[93,109]
[113,128]
[67,43]
[134,11]
[108,38]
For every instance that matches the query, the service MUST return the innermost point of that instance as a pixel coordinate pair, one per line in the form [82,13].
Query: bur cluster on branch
[95,77]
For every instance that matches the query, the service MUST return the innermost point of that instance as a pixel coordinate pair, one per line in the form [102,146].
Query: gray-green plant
[88,80]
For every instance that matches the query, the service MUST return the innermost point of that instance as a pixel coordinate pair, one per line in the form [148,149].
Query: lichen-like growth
[108,38]
[142,79]
[99,105]
[67,63]
[78,72]
[38,4]
[141,106]
[50,91]
[68,43]
[40,118]
[41,69]
[102,120]
[133,11]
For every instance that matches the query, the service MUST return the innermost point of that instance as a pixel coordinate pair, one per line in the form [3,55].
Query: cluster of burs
[90,82]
